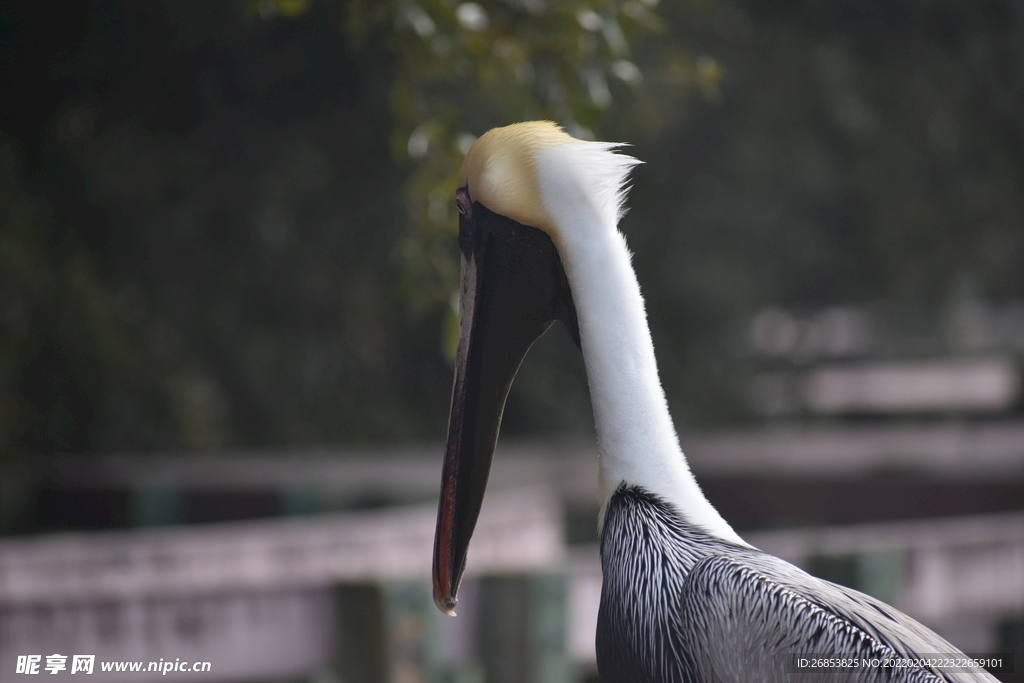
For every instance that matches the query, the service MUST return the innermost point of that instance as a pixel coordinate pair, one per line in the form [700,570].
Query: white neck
[637,441]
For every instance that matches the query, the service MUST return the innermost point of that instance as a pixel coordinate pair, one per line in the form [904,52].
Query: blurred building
[889,360]
[315,567]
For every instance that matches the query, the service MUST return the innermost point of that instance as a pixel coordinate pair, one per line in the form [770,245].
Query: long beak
[513,289]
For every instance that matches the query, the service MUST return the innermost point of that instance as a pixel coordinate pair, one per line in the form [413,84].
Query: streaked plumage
[685,599]
[679,604]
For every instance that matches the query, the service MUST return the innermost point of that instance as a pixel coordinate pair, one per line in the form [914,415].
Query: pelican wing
[745,615]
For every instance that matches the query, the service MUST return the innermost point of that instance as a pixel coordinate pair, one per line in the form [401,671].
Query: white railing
[518,531]
[252,598]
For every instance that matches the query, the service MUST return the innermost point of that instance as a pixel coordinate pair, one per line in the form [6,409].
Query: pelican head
[511,200]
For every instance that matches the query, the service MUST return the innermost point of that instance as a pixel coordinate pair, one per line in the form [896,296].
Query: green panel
[549,662]
[841,569]
[878,574]
[156,507]
[1011,640]
[360,640]
[504,644]
[298,501]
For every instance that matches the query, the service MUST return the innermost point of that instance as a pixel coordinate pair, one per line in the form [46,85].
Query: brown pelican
[684,597]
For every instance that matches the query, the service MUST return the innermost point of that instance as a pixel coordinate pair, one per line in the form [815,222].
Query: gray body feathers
[681,606]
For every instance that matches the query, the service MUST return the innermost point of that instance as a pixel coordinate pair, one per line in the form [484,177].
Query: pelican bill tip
[446,603]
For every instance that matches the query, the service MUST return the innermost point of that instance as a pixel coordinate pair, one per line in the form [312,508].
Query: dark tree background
[229,224]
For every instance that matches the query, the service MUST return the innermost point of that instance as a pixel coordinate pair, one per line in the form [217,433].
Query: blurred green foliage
[860,153]
[230,224]
[460,68]
[56,312]
[235,226]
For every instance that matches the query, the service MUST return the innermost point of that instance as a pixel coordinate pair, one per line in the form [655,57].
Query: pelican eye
[463,202]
